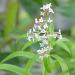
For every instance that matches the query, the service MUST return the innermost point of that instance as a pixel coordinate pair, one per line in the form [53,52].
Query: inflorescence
[40,33]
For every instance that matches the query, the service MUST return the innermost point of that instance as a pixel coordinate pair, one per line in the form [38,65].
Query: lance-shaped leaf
[11,15]
[12,68]
[17,54]
[48,64]
[73,51]
[63,65]
[63,46]
[30,64]
[29,43]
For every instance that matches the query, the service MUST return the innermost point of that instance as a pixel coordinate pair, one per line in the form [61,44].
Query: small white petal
[45,26]
[41,45]
[38,51]
[47,7]
[50,10]
[42,13]
[29,38]
[43,31]
[46,55]
[37,36]
[39,28]
[45,41]
[36,20]
[59,31]
[30,30]
[33,29]
[41,20]
[60,37]
[49,20]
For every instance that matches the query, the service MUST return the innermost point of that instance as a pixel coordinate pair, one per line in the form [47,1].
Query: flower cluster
[40,33]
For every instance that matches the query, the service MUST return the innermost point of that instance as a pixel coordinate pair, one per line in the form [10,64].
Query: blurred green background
[17,16]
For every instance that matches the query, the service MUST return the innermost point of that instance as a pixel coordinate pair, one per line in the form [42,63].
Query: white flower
[49,20]
[50,10]
[41,51]
[45,41]
[46,55]
[49,48]
[43,37]
[45,26]
[30,30]
[44,52]
[41,45]
[36,21]
[59,31]
[37,36]
[43,31]
[41,20]
[41,57]
[30,38]
[56,35]
[42,13]
[45,7]
[30,35]
[39,28]
[34,29]
[40,32]
[59,36]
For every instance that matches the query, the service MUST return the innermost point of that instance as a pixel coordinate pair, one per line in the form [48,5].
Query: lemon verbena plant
[54,53]
[42,33]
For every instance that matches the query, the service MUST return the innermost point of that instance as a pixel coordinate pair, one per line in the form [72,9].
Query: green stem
[44,71]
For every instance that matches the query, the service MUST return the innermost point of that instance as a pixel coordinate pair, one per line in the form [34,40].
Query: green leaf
[63,65]
[30,64]
[44,71]
[72,60]
[11,15]
[18,53]
[73,51]
[64,46]
[23,36]
[29,43]
[12,68]
[48,64]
